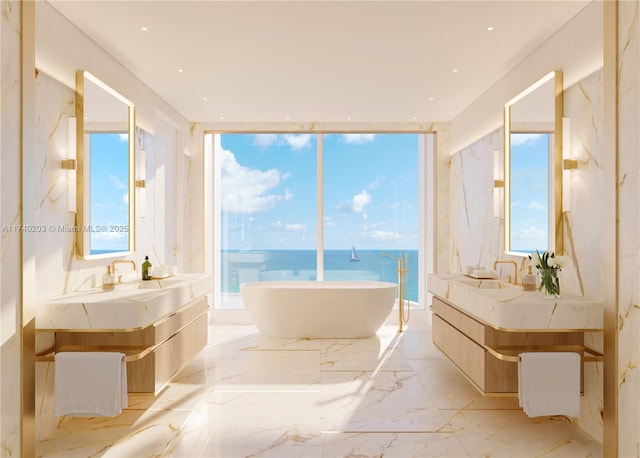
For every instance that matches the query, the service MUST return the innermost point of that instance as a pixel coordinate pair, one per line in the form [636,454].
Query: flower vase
[549,282]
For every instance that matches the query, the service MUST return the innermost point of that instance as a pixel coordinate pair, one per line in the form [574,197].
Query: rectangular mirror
[533,168]
[105,175]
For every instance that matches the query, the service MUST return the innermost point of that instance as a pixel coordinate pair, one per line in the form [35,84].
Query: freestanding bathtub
[318,309]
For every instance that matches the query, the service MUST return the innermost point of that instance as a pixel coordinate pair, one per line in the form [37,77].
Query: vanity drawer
[464,323]
[168,326]
[462,351]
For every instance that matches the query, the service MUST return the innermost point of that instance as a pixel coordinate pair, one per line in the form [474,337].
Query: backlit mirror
[105,175]
[533,168]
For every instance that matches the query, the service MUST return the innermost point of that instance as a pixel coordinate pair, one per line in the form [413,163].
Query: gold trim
[498,183]
[555,240]
[569,164]
[68,164]
[43,356]
[141,183]
[83,248]
[495,351]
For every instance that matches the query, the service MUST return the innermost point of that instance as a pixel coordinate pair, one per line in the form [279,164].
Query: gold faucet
[515,269]
[121,261]
[402,269]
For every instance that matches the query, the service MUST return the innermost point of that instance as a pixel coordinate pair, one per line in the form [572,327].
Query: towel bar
[496,351]
[141,351]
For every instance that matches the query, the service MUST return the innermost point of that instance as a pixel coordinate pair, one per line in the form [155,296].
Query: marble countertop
[128,306]
[509,307]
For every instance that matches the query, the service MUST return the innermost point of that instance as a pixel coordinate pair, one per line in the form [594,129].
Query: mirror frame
[83,209]
[555,181]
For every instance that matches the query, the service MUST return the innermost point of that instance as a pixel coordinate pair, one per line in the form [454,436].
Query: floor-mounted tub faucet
[402,270]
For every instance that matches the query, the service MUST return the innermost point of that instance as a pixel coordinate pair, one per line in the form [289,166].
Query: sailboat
[354,256]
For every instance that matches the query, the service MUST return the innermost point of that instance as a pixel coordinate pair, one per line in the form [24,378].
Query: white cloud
[358,138]
[375,184]
[523,139]
[531,233]
[125,198]
[536,206]
[246,190]
[124,138]
[298,141]
[265,140]
[381,236]
[115,181]
[360,201]
[295,227]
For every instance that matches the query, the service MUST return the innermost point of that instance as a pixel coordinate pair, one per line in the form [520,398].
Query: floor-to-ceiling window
[278,221]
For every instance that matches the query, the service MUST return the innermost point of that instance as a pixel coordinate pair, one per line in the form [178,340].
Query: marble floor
[393,395]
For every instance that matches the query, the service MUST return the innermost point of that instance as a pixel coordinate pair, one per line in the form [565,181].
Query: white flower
[557,262]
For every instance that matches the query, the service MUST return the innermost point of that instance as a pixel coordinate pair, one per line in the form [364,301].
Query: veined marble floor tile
[510,433]
[372,354]
[392,445]
[418,345]
[258,342]
[383,401]
[263,424]
[134,433]
[272,371]
[449,389]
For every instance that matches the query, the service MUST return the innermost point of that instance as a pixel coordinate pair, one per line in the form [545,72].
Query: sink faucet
[122,261]
[515,269]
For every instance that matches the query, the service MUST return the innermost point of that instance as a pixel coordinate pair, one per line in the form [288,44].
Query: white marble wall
[476,237]
[10,214]
[628,376]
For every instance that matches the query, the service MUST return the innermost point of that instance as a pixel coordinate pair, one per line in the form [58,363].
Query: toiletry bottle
[108,279]
[529,280]
[146,269]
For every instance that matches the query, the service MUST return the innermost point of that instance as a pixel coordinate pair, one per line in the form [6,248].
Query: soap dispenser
[529,280]
[109,279]
[146,269]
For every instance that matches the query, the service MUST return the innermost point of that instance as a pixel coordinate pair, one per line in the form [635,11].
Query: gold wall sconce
[568,164]
[498,185]
[70,164]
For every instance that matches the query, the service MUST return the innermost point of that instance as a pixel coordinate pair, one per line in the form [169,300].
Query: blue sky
[529,191]
[268,191]
[109,189]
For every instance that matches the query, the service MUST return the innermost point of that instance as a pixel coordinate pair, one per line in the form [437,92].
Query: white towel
[549,383]
[90,384]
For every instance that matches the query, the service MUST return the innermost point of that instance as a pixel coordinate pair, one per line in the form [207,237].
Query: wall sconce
[70,164]
[141,183]
[498,185]
[568,164]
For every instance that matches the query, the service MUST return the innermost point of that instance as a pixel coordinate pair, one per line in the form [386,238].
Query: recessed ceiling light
[180,70]
[348,118]
[220,118]
[455,70]
[490,28]
[144,28]
[287,117]
[432,98]
[204,99]
[415,118]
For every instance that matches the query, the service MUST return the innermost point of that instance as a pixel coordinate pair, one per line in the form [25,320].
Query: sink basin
[485,284]
[159,284]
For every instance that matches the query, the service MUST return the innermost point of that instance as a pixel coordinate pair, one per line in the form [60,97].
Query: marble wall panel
[628,377]
[10,215]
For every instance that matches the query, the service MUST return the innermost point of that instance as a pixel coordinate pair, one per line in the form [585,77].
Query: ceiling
[319,61]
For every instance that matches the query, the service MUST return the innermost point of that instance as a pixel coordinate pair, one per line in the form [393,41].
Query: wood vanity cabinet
[169,344]
[462,338]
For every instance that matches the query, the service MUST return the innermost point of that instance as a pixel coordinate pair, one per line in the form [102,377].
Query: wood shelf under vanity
[486,354]
[155,352]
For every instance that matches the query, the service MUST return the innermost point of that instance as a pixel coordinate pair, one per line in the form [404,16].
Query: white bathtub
[318,309]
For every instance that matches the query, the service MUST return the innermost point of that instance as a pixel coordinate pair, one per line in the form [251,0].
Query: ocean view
[261,265]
